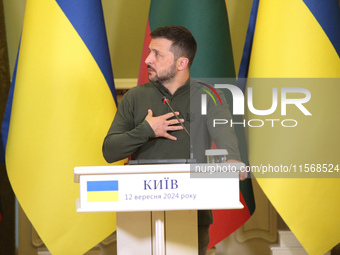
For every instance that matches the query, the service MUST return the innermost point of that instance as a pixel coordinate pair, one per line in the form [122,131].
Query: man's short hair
[183,42]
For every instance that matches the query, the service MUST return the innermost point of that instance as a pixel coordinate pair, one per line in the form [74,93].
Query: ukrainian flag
[300,39]
[63,105]
[102,191]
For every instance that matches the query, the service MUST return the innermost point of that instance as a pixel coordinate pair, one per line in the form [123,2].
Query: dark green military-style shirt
[130,133]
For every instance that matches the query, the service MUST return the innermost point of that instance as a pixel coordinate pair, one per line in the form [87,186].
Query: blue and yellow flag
[300,39]
[102,191]
[63,105]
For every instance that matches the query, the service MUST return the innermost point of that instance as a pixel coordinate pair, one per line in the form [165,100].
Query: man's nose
[148,59]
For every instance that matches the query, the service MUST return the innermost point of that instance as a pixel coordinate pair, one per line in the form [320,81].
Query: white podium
[156,204]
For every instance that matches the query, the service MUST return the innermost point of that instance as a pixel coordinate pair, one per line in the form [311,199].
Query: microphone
[166,101]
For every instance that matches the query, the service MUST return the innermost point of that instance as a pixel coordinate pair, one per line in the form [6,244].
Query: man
[145,128]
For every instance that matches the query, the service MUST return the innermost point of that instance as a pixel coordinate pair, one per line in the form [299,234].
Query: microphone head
[164,100]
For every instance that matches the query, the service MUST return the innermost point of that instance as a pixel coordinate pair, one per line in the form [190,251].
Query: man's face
[160,62]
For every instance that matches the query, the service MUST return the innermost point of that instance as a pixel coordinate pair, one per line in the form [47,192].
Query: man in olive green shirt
[145,128]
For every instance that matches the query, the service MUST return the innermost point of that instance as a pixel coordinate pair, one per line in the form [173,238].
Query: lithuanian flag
[208,22]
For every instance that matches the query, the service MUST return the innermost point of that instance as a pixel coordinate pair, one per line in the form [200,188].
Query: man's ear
[182,63]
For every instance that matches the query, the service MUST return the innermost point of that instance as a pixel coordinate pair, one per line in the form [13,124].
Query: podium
[156,204]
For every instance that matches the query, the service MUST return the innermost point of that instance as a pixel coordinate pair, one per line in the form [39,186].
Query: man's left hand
[243,174]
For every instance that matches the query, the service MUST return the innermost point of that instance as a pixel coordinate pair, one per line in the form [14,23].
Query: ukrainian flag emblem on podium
[102,191]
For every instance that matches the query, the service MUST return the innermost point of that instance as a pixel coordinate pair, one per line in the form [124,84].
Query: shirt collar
[165,91]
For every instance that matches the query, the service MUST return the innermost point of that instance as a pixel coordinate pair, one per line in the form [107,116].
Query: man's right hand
[162,124]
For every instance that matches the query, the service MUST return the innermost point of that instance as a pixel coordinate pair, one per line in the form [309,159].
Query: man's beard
[165,76]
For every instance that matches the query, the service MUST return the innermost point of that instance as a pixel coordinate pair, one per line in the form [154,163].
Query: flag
[300,39]
[63,105]
[102,191]
[208,22]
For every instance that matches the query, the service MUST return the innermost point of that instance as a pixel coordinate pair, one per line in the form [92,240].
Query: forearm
[119,145]
[225,138]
